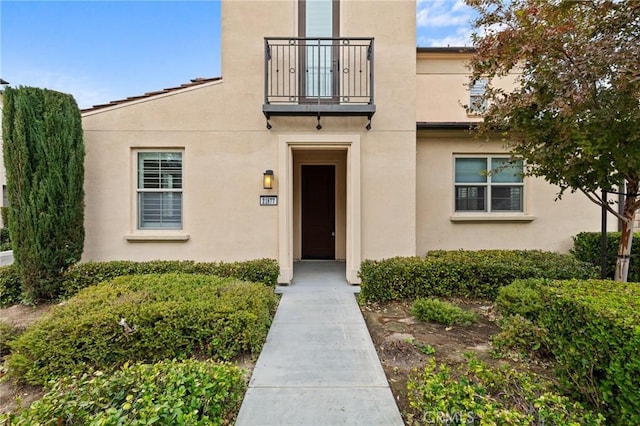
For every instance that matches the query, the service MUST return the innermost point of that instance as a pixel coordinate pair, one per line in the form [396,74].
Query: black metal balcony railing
[318,76]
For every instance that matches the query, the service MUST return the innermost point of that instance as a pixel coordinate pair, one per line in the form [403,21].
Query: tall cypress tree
[44,160]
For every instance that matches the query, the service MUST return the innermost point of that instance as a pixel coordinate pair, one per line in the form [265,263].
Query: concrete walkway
[319,365]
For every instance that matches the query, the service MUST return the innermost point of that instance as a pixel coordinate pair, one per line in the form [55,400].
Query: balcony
[318,77]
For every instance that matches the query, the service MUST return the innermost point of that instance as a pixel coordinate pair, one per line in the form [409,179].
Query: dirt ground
[401,342]
[20,316]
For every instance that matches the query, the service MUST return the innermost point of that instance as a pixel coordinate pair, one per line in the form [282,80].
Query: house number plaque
[268,200]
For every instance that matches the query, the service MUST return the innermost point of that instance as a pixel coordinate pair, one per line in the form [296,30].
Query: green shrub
[4,214]
[145,318]
[43,152]
[523,336]
[173,392]
[10,286]
[594,335]
[5,239]
[8,332]
[83,275]
[522,297]
[586,247]
[434,310]
[475,274]
[592,330]
[473,394]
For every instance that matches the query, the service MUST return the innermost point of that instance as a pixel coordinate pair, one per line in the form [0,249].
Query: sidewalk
[319,365]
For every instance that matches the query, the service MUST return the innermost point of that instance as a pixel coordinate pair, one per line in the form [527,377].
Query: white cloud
[461,37]
[444,23]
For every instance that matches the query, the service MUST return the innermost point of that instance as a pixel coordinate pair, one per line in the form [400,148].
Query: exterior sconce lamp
[267,179]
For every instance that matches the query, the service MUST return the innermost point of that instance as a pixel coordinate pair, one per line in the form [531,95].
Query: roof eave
[447,125]
[448,49]
[194,83]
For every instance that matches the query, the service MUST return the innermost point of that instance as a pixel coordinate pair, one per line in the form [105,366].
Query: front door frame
[286,145]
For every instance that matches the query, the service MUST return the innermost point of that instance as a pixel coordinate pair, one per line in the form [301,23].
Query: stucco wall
[442,80]
[222,181]
[221,129]
[546,223]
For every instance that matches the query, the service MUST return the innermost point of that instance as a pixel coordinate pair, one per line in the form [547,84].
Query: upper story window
[159,190]
[320,19]
[477,103]
[488,184]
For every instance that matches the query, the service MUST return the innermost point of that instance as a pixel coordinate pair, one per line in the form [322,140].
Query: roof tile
[194,82]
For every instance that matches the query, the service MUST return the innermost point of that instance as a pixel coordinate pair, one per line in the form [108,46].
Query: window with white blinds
[488,184]
[159,190]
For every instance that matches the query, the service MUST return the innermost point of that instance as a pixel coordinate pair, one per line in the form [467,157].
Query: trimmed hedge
[586,247]
[522,298]
[145,318]
[470,274]
[173,392]
[83,275]
[592,329]
[594,334]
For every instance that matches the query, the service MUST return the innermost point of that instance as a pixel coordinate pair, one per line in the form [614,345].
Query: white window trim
[488,215]
[137,234]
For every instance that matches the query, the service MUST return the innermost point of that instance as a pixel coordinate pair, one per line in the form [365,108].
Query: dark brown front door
[318,212]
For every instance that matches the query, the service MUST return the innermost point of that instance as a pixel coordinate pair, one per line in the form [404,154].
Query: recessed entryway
[328,161]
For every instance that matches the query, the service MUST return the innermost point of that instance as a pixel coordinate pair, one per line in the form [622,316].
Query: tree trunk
[626,239]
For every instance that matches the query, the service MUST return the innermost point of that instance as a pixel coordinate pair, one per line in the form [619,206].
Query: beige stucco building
[366,138]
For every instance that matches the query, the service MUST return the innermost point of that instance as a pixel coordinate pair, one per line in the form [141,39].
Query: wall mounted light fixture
[267,179]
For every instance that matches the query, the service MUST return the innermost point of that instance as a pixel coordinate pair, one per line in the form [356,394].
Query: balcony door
[319,19]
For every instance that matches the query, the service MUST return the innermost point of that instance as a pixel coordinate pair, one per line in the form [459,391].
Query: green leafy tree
[574,115]
[44,161]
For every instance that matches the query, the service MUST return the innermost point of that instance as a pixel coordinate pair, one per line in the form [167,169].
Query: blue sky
[105,50]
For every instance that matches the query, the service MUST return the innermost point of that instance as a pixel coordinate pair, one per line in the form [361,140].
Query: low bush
[591,329]
[8,332]
[474,274]
[5,240]
[83,275]
[594,335]
[586,247]
[145,318]
[434,310]
[10,286]
[522,297]
[523,336]
[474,394]
[172,392]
